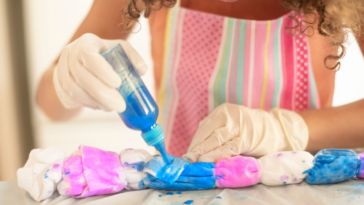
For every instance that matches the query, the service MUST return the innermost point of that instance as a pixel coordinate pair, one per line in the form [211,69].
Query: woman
[255,55]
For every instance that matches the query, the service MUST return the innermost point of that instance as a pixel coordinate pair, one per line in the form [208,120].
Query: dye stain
[160,195]
[179,192]
[169,193]
[284,177]
[307,171]
[188,202]
[67,173]
[218,197]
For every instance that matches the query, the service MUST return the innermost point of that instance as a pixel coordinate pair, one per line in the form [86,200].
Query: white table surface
[349,192]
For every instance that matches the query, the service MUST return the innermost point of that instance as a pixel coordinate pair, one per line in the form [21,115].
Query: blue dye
[332,166]
[139,166]
[306,171]
[169,193]
[183,183]
[166,172]
[284,182]
[141,111]
[112,188]
[195,176]
[219,197]
[188,202]
[141,185]
[67,173]
[218,177]
[202,169]
[179,192]
[160,195]
[45,175]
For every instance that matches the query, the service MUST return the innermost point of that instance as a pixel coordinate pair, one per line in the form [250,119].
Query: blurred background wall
[47,27]
[16,129]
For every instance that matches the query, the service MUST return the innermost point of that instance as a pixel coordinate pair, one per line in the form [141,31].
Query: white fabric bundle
[133,162]
[41,172]
[285,167]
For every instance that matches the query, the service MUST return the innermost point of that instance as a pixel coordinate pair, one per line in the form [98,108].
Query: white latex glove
[234,129]
[84,78]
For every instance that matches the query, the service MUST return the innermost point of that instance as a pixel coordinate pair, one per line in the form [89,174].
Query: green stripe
[313,90]
[277,85]
[232,74]
[220,83]
[240,64]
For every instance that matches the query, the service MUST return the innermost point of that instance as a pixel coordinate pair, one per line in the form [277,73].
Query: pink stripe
[287,66]
[246,63]
[198,55]
[271,75]
[259,54]
[236,61]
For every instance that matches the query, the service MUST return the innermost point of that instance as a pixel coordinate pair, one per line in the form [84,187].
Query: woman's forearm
[335,127]
[103,20]
[48,100]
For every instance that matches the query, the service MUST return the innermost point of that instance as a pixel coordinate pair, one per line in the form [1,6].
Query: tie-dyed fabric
[212,59]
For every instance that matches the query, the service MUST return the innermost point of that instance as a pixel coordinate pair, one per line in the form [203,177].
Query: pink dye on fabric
[237,171]
[284,178]
[94,172]
[361,166]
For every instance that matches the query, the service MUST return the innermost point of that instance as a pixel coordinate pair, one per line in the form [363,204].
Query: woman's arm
[335,127]
[103,20]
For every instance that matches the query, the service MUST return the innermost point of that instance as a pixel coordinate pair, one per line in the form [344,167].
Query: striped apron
[211,59]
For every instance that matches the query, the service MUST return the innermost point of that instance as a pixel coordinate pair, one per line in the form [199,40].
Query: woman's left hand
[234,129]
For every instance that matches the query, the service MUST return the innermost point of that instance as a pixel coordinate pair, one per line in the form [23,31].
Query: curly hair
[334,18]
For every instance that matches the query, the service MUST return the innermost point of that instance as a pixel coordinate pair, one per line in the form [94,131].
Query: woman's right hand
[84,78]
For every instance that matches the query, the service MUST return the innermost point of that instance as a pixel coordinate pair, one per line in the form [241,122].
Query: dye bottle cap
[154,136]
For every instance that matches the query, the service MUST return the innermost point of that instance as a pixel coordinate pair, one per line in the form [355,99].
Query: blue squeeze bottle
[141,111]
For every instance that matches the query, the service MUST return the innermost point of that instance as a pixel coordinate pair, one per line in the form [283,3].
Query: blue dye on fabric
[160,195]
[195,176]
[183,183]
[202,169]
[306,171]
[138,166]
[141,185]
[165,172]
[333,166]
[218,197]
[45,175]
[188,202]
[169,193]
[141,111]
[179,192]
